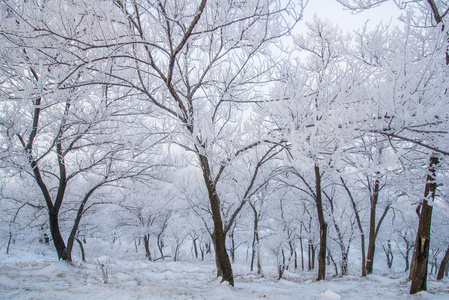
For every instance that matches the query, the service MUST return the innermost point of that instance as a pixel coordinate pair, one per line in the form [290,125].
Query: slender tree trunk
[160,244]
[146,243]
[443,265]
[232,250]
[296,260]
[175,258]
[195,248]
[255,244]
[255,253]
[344,260]
[408,246]
[77,222]
[323,227]
[407,262]
[359,225]
[418,271]
[388,254]
[83,256]
[331,259]
[374,197]
[219,237]
[310,259]
[302,253]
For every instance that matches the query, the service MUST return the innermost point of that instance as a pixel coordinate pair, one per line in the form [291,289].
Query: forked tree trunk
[323,227]
[418,270]
[443,265]
[219,237]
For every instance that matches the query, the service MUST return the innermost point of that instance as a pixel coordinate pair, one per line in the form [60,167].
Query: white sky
[348,21]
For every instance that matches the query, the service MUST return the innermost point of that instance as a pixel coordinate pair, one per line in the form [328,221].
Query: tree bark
[443,265]
[195,247]
[146,243]
[255,253]
[323,227]
[359,225]
[219,236]
[58,241]
[83,256]
[77,222]
[372,228]
[418,270]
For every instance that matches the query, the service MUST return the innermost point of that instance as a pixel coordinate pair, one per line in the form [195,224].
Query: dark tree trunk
[388,254]
[80,243]
[160,244]
[443,265]
[311,256]
[175,258]
[296,260]
[281,264]
[219,236]
[302,253]
[232,250]
[331,259]
[418,271]
[407,262]
[408,246]
[77,222]
[344,260]
[359,225]
[255,253]
[374,197]
[195,248]
[323,227]
[146,243]
[57,238]
[202,252]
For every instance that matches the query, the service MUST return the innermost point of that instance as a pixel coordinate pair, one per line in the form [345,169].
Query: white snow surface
[25,275]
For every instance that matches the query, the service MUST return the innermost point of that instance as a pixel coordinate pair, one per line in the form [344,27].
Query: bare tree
[196,64]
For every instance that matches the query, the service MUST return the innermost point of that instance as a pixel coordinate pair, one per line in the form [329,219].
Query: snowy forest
[212,139]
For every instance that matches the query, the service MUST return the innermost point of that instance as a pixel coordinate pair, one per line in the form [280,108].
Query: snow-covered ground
[27,275]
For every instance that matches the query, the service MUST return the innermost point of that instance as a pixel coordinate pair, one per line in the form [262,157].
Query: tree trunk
[359,225]
[323,227]
[302,253]
[232,250]
[56,236]
[407,263]
[344,260]
[83,256]
[77,222]
[443,265]
[160,244]
[372,228]
[418,271]
[219,236]
[195,248]
[146,243]
[388,254]
[255,245]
